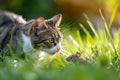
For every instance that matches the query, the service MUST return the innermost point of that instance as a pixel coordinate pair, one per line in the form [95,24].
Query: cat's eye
[51,40]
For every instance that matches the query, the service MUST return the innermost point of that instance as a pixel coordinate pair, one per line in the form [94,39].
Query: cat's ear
[32,25]
[27,28]
[57,20]
[40,23]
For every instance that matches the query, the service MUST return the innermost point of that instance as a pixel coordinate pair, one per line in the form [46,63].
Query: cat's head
[45,34]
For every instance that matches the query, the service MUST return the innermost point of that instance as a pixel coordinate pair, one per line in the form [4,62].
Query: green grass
[101,49]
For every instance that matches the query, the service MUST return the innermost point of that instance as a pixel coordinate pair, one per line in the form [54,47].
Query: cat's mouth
[51,52]
[54,49]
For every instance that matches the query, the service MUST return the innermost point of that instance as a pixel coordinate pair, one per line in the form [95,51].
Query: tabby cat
[36,34]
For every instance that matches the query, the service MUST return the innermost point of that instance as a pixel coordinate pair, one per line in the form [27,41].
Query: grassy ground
[102,50]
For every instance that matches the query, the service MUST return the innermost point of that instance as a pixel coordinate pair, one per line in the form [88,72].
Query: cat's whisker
[62,53]
[65,51]
[64,46]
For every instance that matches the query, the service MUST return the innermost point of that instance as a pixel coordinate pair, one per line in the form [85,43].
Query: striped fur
[37,34]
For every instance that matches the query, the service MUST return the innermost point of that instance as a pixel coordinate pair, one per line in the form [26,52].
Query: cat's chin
[54,49]
[51,53]
[48,51]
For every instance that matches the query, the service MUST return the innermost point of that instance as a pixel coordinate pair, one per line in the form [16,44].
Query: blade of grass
[92,28]
[86,32]
[79,38]
[74,41]
[91,25]
[113,16]
[10,50]
[107,30]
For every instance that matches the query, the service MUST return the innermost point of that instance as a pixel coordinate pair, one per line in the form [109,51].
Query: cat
[37,34]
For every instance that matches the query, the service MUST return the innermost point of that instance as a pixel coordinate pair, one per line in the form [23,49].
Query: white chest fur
[27,45]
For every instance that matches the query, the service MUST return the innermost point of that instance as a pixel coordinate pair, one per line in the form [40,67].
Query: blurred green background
[30,8]
[72,10]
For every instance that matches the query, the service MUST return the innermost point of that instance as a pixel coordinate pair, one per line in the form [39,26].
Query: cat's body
[38,34]
[10,29]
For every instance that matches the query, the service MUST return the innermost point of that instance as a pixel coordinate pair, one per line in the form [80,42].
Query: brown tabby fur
[10,25]
[43,33]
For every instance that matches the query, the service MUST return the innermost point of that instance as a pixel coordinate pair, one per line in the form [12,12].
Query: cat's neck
[27,45]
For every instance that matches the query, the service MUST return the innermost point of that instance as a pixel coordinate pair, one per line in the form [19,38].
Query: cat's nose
[58,49]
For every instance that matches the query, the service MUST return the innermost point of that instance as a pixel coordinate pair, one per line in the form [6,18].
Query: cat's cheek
[54,49]
[49,51]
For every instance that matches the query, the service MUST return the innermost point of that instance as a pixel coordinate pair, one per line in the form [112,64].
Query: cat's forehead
[49,33]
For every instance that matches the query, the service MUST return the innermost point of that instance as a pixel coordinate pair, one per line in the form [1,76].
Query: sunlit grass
[101,49]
